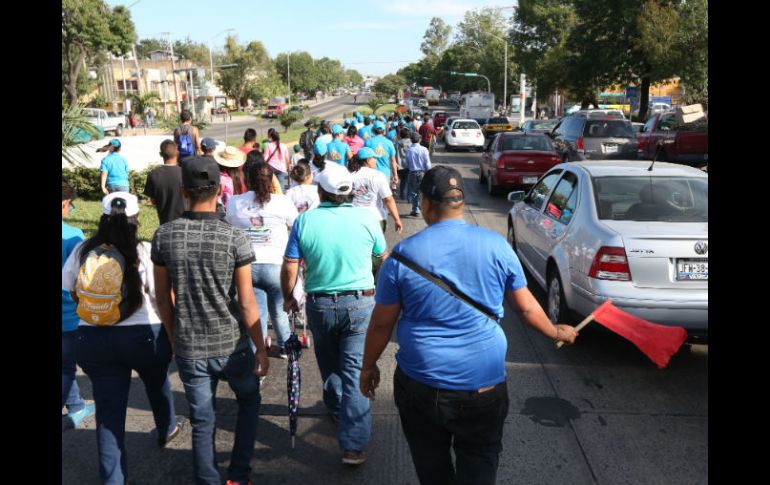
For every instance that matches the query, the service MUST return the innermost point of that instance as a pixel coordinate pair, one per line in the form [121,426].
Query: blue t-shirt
[116,167]
[337,151]
[383,150]
[70,237]
[443,341]
[392,135]
[365,133]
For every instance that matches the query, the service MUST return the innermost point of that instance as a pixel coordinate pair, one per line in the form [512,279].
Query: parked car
[662,136]
[516,159]
[539,126]
[422,103]
[464,133]
[441,135]
[578,138]
[600,113]
[100,119]
[275,110]
[439,118]
[495,125]
[599,230]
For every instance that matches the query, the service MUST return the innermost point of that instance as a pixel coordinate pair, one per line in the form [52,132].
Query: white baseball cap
[132,203]
[335,180]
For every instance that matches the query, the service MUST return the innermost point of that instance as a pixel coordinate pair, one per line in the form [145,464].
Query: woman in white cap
[231,178]
[110,277]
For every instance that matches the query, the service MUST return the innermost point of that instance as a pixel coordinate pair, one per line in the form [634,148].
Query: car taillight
[500,162]
[556,159]
[508,127]
[579,145]
[610,263]
[454,133]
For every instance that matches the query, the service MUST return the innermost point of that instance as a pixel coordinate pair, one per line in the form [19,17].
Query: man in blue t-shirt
[114,169]
[337,150]
[449,385]
[384,151]
[77,408]
[366,131]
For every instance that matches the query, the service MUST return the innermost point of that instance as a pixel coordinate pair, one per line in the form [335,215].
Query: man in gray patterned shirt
[205,261]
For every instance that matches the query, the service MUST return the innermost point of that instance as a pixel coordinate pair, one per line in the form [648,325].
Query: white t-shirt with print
[147,313]
[370,187]
[267,226]
[304,197]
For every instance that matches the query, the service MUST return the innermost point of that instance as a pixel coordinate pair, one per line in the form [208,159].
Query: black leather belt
[343,293]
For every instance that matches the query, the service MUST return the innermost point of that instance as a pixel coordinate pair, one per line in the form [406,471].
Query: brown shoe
[353,457]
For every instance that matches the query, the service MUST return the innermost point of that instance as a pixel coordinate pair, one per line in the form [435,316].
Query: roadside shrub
[87,182]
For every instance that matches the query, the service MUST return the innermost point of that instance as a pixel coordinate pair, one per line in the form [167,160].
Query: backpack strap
[443,284]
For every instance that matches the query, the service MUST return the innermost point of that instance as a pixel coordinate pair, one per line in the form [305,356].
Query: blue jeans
[339,330]
[70,393]
[266,279]
[200,378]
[413,187]
[108,355]
[117,188]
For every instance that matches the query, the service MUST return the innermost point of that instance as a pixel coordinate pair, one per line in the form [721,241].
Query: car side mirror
[550,134]
[516,196]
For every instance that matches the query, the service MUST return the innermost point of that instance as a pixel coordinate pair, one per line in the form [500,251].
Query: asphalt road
[597,412]
[328,110]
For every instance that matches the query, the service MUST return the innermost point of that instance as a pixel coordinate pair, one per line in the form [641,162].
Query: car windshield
[663,199]
[465,125]
[272,106]
[497,121]
[535,143]
[608,129]
[543,125]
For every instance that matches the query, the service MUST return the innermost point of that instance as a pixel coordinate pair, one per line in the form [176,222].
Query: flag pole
[580,326]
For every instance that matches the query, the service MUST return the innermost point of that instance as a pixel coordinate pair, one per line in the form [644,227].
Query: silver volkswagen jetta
[594,230]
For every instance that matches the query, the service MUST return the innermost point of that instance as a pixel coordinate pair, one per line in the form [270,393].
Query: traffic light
[453,73]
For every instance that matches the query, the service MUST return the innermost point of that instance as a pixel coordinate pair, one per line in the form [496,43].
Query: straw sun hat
[230,157]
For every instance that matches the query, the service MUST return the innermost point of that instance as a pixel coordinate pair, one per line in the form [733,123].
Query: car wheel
[511,236]
[557,307]
[492,189]
[118,130]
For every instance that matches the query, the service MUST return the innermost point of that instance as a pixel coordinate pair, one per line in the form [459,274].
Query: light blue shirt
[337,151]
[444,342]
[116,167]
[366,132]
[417,158]
[383,150]
[70,237]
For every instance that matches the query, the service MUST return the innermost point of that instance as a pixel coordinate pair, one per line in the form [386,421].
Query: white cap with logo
[335,180]
[131,203]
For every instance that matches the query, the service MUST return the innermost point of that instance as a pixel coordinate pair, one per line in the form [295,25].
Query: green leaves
[390,85]
[75,129]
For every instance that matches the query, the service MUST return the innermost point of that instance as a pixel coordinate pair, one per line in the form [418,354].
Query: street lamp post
[211,56]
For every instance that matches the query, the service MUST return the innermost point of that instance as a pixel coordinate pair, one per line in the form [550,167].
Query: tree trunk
[644,98]
[72,80]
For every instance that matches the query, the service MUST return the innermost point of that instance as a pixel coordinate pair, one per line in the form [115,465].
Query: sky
[352,32]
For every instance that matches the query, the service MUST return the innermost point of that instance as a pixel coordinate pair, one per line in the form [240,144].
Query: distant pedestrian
[114,342]
[266,218]
[371,189]
[306,140]
[113,169]
[297,156]
[208,327]
[337,150]
[417,162]
[450,381]
[249,141]
[230,161]
[253,157]
[366,131]
[385,152]
[427,133]
[304,194]
[150,118]
[164,183]
[77,408]
[353,140]
[277,156]
[340,288]
[402,145]
[186,136]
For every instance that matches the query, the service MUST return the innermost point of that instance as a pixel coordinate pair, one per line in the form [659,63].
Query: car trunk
[610,148]
[692,142]
[467,134]
[520,160]
[656,252]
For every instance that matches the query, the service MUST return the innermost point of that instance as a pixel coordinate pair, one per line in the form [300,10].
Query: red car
[439,118]
[516,160]
[662,137]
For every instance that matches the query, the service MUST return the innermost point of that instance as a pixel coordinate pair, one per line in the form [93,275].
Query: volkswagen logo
[701,247]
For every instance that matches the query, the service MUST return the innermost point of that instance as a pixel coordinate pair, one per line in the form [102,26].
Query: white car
[611,229]
[99,117]
[463,133]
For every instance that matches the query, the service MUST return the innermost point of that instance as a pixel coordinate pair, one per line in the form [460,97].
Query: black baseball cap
[200,172]
[439,180]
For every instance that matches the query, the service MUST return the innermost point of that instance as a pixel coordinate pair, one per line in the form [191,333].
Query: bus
[477,105]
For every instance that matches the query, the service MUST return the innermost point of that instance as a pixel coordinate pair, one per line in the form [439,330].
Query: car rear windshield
[665,199]
[498,121]
[272,107]
[465,125]
[608,129]
[535,143]
[544,125]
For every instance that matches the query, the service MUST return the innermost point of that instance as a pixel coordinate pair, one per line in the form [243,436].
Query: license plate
[692,269]
[610,148]
[529,180]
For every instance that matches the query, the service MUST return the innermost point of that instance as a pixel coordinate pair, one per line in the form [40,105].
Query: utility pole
[123,75]
[192,93]
[173,73]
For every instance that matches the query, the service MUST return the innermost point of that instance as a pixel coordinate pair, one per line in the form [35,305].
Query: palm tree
[144,103]
[75,129]
[375,102]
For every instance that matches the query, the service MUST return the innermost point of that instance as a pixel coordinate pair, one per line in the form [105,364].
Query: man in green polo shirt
[337,242]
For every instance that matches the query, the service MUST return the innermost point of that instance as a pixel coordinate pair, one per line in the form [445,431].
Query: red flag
[658,342]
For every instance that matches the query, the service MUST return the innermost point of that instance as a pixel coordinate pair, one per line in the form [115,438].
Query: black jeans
[434,420]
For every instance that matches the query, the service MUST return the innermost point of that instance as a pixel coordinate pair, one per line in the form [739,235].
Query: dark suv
[577,138]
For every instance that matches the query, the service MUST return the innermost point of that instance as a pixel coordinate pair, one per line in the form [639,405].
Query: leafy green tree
[143,103]
[375,102]
[197,52]
[146,46]
[304,75]
[288,118]
[436,38]
[88,28]
[252,66]
[75,128]
[354,77]
[390,85]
